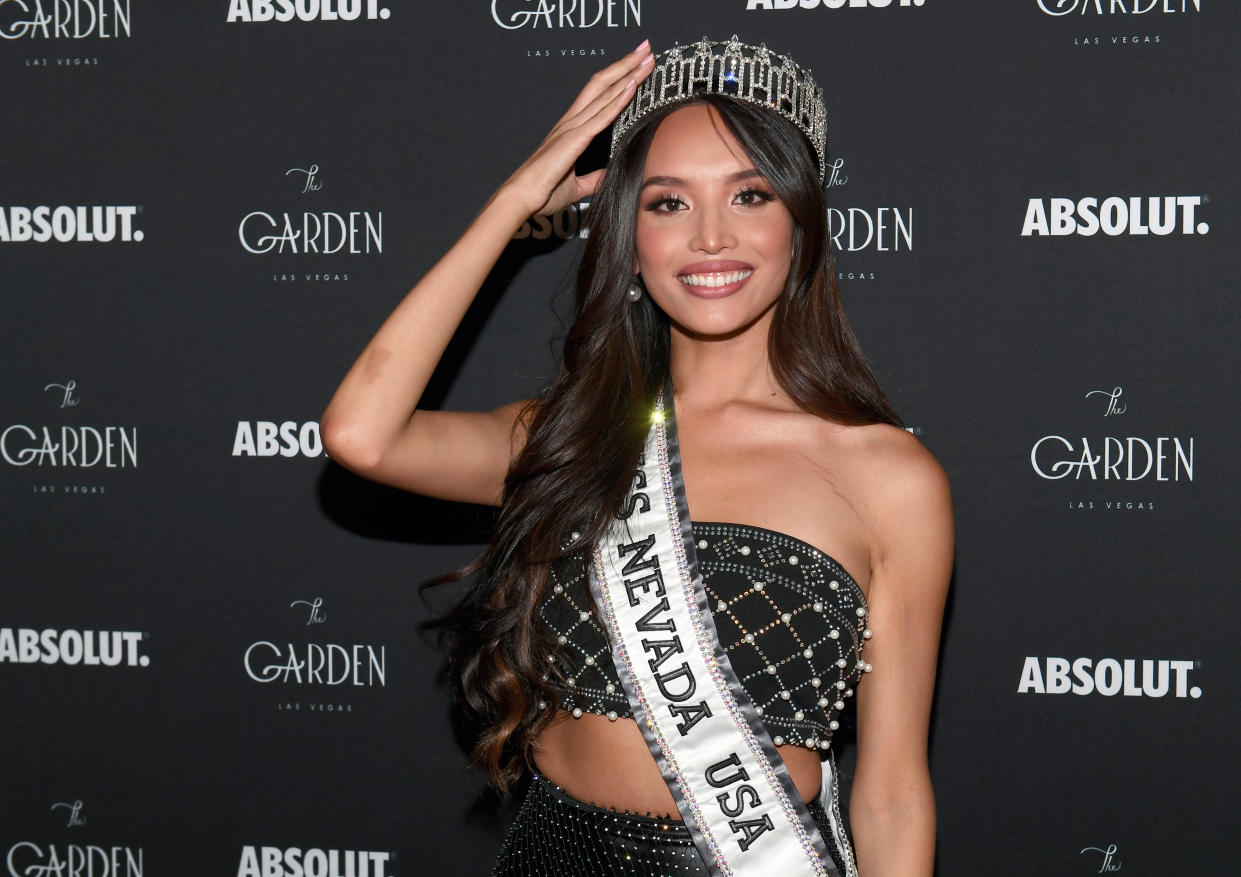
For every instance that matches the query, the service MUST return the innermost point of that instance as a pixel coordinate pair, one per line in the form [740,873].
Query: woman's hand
[546,181]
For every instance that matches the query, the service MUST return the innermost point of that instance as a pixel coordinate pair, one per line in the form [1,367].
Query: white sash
[730,784]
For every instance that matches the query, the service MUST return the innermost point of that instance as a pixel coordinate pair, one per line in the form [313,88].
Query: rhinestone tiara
[734,70]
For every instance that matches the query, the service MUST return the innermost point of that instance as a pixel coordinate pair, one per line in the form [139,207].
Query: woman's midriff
[608,764]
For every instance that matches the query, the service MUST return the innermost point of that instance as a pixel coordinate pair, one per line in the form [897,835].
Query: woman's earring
[634,292]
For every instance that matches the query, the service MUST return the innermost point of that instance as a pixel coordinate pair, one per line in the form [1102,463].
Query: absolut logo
[1114,216]
[829,4]
[577,14]
[65,224]
[316,663]
[64,19]
[314,862]
[266,438]
[306,10]
[87,648]
[1118,7]
[82,447]
[1128,677]
[325,232]
[565,223]
[1113,458]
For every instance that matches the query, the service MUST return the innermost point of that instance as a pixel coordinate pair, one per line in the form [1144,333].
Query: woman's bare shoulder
[887,464]
[908,499]
[895,453]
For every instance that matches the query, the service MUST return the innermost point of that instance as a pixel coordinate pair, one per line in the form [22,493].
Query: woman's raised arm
[372,425]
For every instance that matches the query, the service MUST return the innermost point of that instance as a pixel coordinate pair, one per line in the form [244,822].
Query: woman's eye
[750,197]
[669,204]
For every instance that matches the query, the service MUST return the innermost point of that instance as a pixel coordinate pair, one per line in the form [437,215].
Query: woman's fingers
[604,79]
[564,145]
[588,184]
[610,109]
[606,106]
[549,171]
[573,135]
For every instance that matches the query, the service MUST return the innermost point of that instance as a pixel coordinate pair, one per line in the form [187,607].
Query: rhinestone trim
[751,627]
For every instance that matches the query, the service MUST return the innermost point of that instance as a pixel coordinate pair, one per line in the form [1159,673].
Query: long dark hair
[585,432]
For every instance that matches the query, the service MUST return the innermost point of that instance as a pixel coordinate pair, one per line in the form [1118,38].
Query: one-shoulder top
[791,620]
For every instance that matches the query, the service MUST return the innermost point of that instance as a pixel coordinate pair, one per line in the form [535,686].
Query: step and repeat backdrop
[214,657]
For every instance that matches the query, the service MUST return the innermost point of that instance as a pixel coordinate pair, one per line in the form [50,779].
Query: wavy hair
[586,431]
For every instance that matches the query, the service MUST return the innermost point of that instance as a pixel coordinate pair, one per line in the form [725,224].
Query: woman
[710,368]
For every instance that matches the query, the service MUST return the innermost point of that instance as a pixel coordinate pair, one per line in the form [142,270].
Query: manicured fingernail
[647,61]
[642,46]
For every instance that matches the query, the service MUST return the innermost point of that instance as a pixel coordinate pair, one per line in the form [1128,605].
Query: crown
[735,70]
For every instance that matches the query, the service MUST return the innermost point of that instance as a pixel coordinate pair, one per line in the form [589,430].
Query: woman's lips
[716,279]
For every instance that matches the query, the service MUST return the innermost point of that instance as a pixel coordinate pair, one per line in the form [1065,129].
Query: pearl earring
[634,292]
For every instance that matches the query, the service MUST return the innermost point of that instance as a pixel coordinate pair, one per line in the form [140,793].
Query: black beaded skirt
[555,834]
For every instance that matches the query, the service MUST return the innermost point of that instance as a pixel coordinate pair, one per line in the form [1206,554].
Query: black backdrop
[167,511]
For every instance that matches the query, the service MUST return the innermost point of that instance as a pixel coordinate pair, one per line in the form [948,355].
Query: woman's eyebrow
[677,181]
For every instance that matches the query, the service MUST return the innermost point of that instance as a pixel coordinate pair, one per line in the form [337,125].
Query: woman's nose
[713,230]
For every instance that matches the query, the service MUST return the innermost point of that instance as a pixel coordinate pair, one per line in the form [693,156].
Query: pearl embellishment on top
[760,585]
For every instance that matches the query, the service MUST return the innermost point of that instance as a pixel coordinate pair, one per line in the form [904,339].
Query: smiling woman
[702,196]
[617,647]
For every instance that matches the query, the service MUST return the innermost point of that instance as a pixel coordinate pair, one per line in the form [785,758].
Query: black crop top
[791,619]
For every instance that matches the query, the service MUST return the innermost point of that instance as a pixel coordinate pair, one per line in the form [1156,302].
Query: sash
[730,785]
